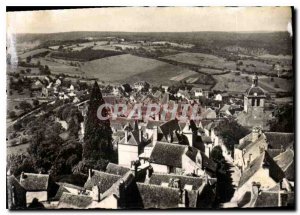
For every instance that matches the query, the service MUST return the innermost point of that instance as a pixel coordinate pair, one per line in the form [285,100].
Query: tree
[231,132]
[25,106]
[225,188]
[284,119]
[28,59]
[12,114]
[97,138]
[35,102]
[69,155]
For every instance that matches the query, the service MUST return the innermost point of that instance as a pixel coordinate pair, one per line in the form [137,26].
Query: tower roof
[255,90]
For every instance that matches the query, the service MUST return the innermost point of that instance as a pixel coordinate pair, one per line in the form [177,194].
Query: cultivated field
[231,82]
[33,53]
[58,66]
[203,60]
[131,68]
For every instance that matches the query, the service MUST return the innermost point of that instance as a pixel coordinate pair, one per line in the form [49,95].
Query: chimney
[279,194]
[95,193]
[90,173]
[134,167]
[255,134]
[182,198]
[121,192]
[126,136]
[281,148]
[154,137]
[22,176]
[149,171]
[157,117]
[140,134]
[249,158]
[255,190]
[176,183]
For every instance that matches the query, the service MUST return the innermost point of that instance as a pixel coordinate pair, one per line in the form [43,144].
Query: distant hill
[274,42]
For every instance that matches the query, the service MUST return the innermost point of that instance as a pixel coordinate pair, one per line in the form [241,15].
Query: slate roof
[158,179]
[192,153]
[35,182]
[116,169]
[169,127]
[252,90]
[19,193]
[206,139]
[63,187]
[73,201]
[273,152]
[270,199]
[151,124]
[167,154]
[153,196]
[102,179]
[290,172]
[207,163]
[285,159]
[264,159]
[276,140]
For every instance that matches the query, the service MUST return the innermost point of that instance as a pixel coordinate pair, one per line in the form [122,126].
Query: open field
[33,53]
[204,60]
[231,82]
[276,84]
[17,149]
[131,68]
[59,66]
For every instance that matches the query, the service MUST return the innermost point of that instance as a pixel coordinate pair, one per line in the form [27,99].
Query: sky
[152,19]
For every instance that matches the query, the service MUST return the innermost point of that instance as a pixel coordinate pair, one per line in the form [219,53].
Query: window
[253,102]
[258,102]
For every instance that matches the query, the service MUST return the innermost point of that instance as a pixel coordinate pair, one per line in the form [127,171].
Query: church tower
[254,98]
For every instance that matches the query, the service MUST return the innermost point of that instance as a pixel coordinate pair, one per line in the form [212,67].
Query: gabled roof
[102,179]
[153,196]
[264,159]
[64,187]
[169,127]
[168,154]
[273,152]
[116,169]
[270,199]
[73,201]
[158,179]
[133,139]
[285,159]
[151,124]
[276,140]
[207,163]
[34,182]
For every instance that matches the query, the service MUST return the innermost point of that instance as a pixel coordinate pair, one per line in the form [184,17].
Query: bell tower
[254,97]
